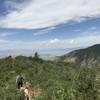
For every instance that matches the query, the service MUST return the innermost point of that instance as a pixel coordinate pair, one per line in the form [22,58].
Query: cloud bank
[55,43]
[47,13]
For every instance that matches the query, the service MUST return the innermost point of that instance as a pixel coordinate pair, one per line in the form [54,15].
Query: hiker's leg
[18,85]
[21,84]
[30,98]
[26,98]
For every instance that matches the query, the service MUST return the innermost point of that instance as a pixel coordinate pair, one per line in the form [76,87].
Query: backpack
[19,79]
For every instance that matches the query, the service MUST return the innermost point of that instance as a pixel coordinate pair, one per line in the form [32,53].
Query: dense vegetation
[56,80]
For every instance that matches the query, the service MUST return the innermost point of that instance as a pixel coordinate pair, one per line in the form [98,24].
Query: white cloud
[77,42]
[91,32]
[71,41]
[44,31]
[2,41]
[5,34]
[53,41]
[47,13]
[93,28]
[49,45]
[87,38]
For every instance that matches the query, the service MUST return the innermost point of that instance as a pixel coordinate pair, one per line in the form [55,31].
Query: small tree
[36,56]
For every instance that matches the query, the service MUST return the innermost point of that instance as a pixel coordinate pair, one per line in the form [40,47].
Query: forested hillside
[84,57]
[55,80]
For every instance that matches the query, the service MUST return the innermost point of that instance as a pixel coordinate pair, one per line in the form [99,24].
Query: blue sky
[49,27]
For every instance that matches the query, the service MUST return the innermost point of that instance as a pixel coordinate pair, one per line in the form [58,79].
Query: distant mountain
[84,57]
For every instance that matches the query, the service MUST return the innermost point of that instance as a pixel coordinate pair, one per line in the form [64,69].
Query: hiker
[19,81]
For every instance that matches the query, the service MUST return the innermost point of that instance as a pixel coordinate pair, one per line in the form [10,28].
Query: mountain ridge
[89,56]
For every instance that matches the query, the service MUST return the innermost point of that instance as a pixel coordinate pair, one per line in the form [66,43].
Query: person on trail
[19,81]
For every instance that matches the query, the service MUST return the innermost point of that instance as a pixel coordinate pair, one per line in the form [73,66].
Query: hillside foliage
[57,80]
